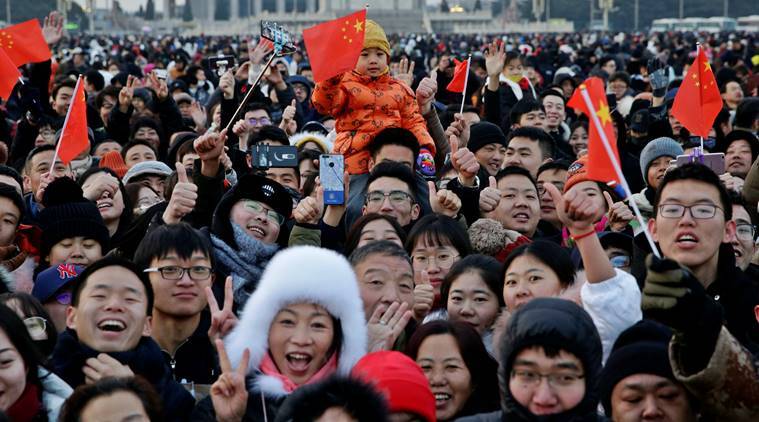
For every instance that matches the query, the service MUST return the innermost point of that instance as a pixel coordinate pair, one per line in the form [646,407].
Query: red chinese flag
[698,102]
[24,43]
[74,136]
[9,75]
[458,82]
[600,166]
[333,47]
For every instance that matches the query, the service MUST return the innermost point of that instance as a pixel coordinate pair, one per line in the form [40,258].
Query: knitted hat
[659,147]
[8,191]
[577,173]
[147,167]
[181,139]
[114,161]
[640,349]
[50,281]
[400,380]
[483,133]
[374,37]
[68,214]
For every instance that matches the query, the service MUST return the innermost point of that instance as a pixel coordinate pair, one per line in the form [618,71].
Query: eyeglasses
[263,121]
[443,259]
[745,231]
[531,379]
[271,215]
[63,298]
[175,272]
[36,326]
[397,197]
[620,261]
[47,134]
[698,211]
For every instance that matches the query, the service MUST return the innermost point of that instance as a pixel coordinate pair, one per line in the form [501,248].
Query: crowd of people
[473,270]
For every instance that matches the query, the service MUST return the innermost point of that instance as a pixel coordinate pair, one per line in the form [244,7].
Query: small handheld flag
[698,101]
[74,138]
[460,79]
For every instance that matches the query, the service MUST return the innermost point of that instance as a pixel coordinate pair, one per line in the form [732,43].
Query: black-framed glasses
[745,231]
[397,197]
[697,211]
[259,208]
[175,272]
[531,379]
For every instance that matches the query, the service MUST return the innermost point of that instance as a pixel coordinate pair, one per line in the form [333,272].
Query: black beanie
[68,214]
[8,191]
[483,133]
[640,349]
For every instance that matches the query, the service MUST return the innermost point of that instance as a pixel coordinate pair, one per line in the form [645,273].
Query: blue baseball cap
[51,280]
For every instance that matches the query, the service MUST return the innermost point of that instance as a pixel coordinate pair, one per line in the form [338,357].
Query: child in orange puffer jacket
[367,100]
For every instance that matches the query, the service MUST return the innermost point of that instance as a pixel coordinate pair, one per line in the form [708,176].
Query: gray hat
[147,167]
[659,147]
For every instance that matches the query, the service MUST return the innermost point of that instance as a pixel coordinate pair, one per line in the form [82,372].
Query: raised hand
[443,201]
[222,320]
[52,28]
[229,394]
[102,183]
[287,116]
[210,146]
[159,86]
[309,210]
[575,209]
[406,72]
[262,49]
[227,85]
[183,198]
[490,197]
[334,213]
[104,366]
[242,130]
[126,94]
[425,94]
[463,161]
[619,214]
[274,77]
[495,58]
[424,296]
[199,116]
[385,325]
[45,179]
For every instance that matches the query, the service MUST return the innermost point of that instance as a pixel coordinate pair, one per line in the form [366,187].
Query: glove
[674,297]
[657,75]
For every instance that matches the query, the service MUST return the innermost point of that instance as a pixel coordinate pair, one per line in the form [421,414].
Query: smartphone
[220,64]
[713,160]
[331,169]
[277,156]
[161,73]
[278,35]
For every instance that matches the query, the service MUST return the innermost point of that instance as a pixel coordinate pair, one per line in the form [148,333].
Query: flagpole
[618,169]
[65,123]
[466,80]
[698,51]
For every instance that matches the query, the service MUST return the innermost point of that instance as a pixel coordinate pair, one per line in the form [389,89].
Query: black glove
[657,75]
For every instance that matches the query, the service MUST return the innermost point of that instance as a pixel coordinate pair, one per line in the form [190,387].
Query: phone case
[331,168]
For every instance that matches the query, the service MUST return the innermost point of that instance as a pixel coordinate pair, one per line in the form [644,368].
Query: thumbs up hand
[490,197]
[309,210]
[444,201]
[183,198]
[424,296]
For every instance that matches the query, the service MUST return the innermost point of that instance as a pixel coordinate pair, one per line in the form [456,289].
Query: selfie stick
[618,170]
[466,80]
[250,91]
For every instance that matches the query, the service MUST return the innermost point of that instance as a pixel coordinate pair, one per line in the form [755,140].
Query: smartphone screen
[331,168]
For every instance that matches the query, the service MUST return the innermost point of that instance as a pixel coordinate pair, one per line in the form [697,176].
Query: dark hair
[126,216]
[701,173]
[577,124]
[33,152]
[180,238]
[86,393]
[736,199]
[356,397]
[19,337]
[482,367]
[184,149]
[109,91]
[512,55]
[550,254]
[746,113]
[68,83]
[550,92]
[522,107]
[95,78]
[354,234]
[380,247]
[308,154]
[394,136]
[395,171]
[257,106]
[30,306]
[486,267]
[723,84]
[544,140]
[553,165]
[516,171]
[620,76]
[111,261]
[11,172]
[135,142]
[439,229]
[269,132]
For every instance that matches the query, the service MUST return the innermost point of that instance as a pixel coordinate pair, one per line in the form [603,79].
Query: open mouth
[256,231]
[521,217]
[103,205]
[686,240]
[298,362]
[112,325]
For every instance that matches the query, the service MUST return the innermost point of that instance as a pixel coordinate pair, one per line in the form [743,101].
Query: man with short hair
[391,190]
[745,233]
[37,175]
[61,95]
[732,93]
[554,172]
[529,148]
[108,334]
[528,112]
[514,201]
[741,149]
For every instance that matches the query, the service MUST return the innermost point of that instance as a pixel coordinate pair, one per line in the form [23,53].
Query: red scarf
[27,407]
[268,367]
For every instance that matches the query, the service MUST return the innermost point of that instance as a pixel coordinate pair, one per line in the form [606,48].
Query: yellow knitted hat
[374,37]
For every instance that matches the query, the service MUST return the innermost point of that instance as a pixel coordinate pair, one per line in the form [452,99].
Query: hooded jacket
[295,275]
[561,325]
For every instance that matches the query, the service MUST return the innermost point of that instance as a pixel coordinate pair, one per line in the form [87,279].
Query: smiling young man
[108,334]
[518,208]
[529,148]
[693,226]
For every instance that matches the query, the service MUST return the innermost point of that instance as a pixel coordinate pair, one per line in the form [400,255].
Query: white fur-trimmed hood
[300,274]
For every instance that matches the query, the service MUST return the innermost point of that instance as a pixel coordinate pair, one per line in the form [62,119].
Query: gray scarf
[246,264]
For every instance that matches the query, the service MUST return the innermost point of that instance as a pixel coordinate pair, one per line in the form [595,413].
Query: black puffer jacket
[560,325]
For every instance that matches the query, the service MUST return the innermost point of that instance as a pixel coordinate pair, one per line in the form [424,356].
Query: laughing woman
[308,305]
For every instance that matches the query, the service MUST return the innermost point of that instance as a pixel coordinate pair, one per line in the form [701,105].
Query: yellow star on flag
[359,26]
[603,113]
[707,67]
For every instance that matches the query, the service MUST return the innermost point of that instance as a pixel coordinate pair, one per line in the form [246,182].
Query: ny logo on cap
[66,271]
